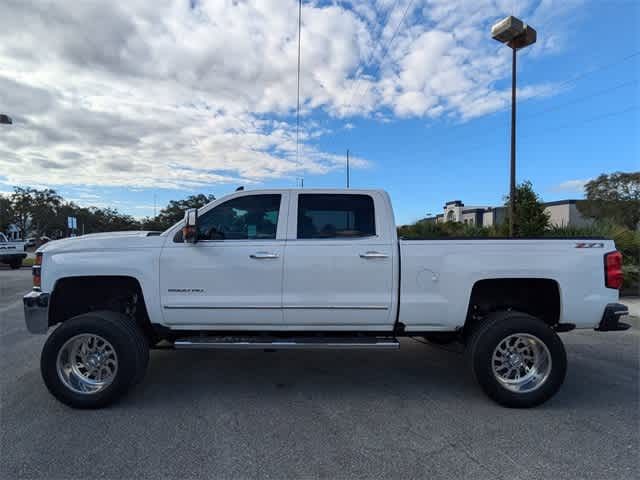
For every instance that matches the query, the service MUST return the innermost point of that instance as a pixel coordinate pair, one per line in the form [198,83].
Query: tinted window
[335,216]
[243,218]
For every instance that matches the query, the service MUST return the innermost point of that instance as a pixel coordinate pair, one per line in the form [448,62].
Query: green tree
[22,205]
[6,213]
[35,211]
[531,219]
[45,211]
[110,220]
[174,211]
[614,197]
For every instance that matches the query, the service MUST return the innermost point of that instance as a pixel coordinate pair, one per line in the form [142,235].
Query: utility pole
[347,168]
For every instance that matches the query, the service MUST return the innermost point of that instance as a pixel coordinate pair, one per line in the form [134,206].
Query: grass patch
[28,262]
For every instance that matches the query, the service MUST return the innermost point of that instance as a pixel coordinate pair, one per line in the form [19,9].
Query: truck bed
[438,276]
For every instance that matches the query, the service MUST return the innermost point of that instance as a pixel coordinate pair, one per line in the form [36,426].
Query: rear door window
[335,216]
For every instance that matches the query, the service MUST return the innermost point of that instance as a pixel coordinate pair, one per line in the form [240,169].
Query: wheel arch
[537,296]
[75,295]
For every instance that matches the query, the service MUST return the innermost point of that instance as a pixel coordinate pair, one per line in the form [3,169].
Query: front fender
[140,264]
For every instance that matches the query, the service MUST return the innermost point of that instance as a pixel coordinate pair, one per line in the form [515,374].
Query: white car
[310,269]
[11,253]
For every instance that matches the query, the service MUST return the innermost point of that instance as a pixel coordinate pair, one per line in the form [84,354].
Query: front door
[232,277]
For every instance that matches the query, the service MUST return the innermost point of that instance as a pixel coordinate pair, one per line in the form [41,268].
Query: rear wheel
[15,265]
[518,360]
[92,360]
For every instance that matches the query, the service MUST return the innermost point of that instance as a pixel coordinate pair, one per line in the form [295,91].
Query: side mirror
[190,229]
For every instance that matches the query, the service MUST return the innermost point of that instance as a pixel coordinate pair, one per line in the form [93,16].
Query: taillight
[613,275]
[37,271]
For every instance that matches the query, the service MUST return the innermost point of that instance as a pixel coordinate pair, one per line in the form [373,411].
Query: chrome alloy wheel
[521,362]
[87,363]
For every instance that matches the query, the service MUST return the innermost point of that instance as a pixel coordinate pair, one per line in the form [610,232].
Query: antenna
[347,168]
[298,107]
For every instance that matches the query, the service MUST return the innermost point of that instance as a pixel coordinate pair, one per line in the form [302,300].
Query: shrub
[626,240]
[430,230]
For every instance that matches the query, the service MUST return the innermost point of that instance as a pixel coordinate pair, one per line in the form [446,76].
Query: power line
[373,50]
[386,49]
[580,99]
[573,124]
[584,121]
[586,73]
[580,76]
[298,108]
[598,68]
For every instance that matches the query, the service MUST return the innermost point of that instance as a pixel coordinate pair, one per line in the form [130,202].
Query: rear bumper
[36,311]
[611,318]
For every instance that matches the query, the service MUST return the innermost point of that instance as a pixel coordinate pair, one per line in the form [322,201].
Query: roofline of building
[561,202]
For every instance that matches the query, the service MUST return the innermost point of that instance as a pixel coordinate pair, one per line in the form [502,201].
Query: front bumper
[611,318]
[36,311]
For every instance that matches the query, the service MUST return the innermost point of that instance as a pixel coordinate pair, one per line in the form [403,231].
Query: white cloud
[157,94]
[571,186]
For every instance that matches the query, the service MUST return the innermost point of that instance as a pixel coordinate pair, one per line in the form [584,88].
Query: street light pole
[512,180]
[515,34]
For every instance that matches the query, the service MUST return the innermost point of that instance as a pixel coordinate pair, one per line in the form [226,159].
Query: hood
[105,241]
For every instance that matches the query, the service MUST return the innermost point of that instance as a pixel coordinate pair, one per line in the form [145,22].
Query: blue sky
[122,125]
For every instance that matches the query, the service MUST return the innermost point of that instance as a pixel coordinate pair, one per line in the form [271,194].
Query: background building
[561,213]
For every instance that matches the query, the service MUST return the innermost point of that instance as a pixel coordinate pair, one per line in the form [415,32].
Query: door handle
[373,255]
[263,255]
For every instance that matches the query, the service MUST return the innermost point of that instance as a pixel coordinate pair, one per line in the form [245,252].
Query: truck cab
[313,260]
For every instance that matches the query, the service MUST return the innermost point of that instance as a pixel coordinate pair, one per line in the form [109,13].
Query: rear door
[338,270]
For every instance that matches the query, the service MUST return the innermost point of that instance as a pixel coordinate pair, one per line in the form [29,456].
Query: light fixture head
[507,29]
[528,37]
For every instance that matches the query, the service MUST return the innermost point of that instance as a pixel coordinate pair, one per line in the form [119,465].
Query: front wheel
[15,265]
[92,360]
[518,360]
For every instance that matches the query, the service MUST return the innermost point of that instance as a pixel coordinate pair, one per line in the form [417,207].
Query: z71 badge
[589,245]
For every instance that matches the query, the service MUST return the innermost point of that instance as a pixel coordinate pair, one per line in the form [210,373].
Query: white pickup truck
[313,269]
[11,253]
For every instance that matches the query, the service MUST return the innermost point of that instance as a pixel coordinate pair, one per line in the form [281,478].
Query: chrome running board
[296,343]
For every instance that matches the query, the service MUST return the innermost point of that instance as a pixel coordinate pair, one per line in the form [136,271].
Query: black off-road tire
[15,265]
[121,332]
[493,330]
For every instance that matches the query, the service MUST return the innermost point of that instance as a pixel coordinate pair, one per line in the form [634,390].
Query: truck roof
[313,190]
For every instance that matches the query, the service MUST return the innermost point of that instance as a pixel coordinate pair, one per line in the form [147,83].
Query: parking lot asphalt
[415,413]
